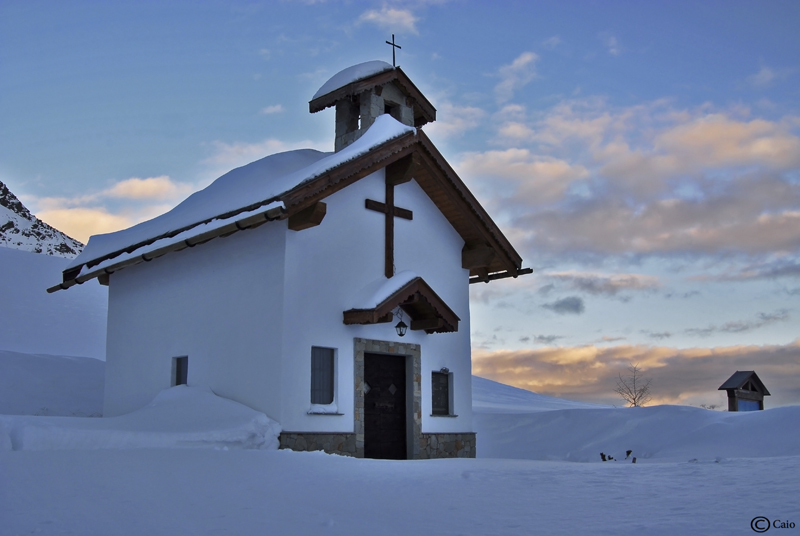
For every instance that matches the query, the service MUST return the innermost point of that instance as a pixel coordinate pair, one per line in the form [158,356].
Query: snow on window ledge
[324,409]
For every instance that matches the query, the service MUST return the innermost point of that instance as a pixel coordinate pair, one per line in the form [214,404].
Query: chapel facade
[328,290]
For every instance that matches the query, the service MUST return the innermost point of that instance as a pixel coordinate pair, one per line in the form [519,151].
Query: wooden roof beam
[401,171]
[486,277]
[479,256]
[310,216]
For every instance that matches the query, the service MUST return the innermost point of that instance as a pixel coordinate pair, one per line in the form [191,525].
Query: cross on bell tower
[394,48]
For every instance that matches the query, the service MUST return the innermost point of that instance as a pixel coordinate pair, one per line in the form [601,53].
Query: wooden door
[385,407]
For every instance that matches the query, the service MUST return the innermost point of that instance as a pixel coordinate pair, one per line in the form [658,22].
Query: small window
[392,109]
[322,368]
[180,367]
[440,384]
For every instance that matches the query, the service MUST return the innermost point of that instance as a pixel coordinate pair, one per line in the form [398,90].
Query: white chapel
[329,291]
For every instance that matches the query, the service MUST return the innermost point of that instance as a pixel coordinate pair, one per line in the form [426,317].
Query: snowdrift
[35,322]
[40,384]
[493,397]
[514,423]
[178,417]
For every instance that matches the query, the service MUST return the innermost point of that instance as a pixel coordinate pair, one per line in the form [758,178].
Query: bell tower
[363,92]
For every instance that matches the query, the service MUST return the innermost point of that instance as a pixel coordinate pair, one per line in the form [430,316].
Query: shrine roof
[740,378]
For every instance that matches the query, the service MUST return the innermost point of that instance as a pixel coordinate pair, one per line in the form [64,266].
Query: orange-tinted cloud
[680,376]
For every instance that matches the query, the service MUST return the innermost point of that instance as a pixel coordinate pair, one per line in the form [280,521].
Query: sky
[643,157]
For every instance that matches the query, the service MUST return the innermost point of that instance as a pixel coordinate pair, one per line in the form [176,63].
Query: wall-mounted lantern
[401,326]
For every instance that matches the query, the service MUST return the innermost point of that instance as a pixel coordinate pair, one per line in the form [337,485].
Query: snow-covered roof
[283,185]
[364,77]
[244,189]
[352,74]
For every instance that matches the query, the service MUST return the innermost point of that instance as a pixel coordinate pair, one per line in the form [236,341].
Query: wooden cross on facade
[396,173]
[394,48]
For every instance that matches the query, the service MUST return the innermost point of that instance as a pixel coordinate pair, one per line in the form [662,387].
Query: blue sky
[644,157]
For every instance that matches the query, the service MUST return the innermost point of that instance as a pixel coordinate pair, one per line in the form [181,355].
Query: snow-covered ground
[194,463]
[537,427]
[698,472]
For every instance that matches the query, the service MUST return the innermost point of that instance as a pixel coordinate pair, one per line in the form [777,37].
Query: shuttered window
[322,364]
[440,401]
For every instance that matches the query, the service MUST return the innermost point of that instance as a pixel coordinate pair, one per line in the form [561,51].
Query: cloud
[452,120]
[680,376]
[769,269]
[717,140]
[391,19]
[659,334]
[274,109]
[516,75]
[607,339]
[552,42]
[766,76]
[611,44]
[155,188]
[742,326]
[134,200]
[547,339]
[546,289]
[122,205]
[571,305]
[609,285]
[525,177]
[515,131]
[587,178]
[82,222]
[762,78]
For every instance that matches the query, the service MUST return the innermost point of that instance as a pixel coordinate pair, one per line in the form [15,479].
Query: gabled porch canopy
[417,299]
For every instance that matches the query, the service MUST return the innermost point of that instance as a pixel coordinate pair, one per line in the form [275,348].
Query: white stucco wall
[327,265]
[218,303]
[247,309]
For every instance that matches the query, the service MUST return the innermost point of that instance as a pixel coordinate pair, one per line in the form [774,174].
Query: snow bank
[261,181]
[37,384]
[178,417]
[658,433]
[493,397]
[35,322]
[352,74]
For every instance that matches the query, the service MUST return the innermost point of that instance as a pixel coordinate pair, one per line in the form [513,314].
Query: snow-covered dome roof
[352,74]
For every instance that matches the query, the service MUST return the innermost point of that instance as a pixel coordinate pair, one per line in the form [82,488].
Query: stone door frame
[413,355]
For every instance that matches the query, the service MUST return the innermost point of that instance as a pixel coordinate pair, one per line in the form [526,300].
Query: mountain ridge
[19,229]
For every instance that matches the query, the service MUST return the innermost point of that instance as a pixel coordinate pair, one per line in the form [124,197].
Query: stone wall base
[344,444]
[431,446]
[447,445]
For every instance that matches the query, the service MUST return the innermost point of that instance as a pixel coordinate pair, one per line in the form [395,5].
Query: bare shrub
[634,388]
